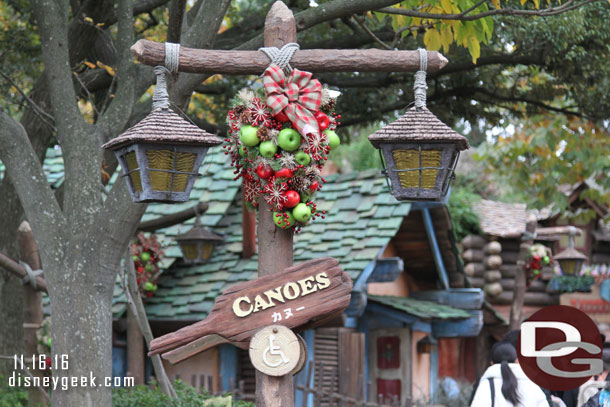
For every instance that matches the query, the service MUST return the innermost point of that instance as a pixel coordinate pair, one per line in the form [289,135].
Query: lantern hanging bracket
[161,96]
[419,87]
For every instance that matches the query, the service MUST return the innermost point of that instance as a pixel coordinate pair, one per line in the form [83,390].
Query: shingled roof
[420,124]
[361,219]
[501,219]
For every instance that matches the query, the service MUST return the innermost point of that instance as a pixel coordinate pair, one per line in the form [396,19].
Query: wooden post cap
[275,350]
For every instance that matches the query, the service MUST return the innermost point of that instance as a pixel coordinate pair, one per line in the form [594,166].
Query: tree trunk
[11,292]
[80,329]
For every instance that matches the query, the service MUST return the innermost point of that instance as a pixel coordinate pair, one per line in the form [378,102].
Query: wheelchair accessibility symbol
[275,350]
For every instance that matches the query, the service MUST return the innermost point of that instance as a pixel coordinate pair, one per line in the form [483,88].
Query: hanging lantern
[160,156]
[419,151]
[198,244]
[426,344]
[570,260]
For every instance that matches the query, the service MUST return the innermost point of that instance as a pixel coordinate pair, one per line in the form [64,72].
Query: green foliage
[570,284]
[465,220]
[12,396]
[359,154]
[547,151]
[145,396]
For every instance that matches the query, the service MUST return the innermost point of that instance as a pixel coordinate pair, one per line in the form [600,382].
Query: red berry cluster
[278,163]
[146,254]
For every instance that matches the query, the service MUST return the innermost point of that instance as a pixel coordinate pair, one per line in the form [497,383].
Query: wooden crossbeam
[313,60]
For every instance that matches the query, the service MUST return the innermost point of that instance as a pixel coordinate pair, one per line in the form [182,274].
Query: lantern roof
[570,253]
[418,124]
[164,126]
[198,232]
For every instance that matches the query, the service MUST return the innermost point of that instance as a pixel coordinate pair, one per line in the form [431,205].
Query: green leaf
[474,48]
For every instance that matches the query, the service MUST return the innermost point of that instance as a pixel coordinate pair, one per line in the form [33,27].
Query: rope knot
[281,57]
[420,87]
[31,275]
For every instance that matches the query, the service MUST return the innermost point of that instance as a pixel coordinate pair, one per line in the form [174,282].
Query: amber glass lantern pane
[133,170]
[410,160]
[162,165]
[189,250]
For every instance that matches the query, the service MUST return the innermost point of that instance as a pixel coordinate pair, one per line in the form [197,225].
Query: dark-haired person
[505,385]
[592,391]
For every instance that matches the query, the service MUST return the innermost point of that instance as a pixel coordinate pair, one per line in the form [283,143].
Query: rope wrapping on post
[281,57]
[420,87]
[30,278]
[172,62]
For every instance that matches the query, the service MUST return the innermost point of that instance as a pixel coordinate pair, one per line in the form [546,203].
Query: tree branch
[166,221]
[551,11]
[117,114]
[39,111]
[176,15]
[30,182]
[82,160]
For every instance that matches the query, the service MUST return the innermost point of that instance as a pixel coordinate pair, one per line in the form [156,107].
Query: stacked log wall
[473,257]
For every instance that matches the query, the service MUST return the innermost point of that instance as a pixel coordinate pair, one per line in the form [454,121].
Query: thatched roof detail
[418,124]
[164,126]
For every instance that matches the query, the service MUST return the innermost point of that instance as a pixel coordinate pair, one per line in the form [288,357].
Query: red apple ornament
[284,173]
[264,171]
[322,119]
[292,199]
[281,117]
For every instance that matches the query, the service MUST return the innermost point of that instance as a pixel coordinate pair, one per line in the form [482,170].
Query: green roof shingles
[354,231]
[419,308]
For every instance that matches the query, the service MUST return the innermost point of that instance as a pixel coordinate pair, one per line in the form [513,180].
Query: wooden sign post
[275,251]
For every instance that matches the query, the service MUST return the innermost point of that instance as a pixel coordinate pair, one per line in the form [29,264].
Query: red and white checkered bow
[298,96]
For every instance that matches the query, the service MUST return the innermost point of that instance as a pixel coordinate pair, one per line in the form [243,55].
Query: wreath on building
[146,253]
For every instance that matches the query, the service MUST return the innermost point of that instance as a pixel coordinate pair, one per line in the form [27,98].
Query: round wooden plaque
[303,355]
[275,350]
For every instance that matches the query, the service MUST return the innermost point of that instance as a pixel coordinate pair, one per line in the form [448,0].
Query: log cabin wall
[412,245]
[491,264]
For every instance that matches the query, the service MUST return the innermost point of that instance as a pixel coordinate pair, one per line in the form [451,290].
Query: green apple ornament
[247,135]
[289,139]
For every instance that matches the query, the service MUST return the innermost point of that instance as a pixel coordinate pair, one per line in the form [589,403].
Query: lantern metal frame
[162,130]
[198,235]
[570,254]
[414,133]
[147,193]
[425,344]
[446,170]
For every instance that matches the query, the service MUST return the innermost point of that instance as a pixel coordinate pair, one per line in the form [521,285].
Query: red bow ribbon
[298,96]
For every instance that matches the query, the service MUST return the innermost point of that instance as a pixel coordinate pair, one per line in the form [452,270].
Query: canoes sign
[303,294]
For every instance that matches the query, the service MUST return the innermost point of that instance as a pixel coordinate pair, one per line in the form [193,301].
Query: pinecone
[241,114]
[264,133]
[312,173]
[299,184]
[329,106]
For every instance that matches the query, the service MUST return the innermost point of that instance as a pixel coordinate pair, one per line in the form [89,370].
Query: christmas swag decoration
[279,139]
[146,254]
[538,256]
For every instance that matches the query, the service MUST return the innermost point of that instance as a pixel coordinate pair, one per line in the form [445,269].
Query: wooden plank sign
[301,294]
